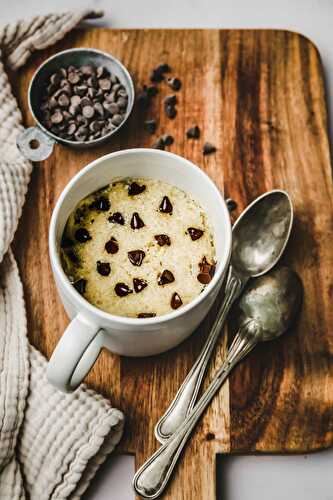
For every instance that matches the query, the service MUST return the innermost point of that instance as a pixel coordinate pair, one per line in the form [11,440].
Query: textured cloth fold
[51,443]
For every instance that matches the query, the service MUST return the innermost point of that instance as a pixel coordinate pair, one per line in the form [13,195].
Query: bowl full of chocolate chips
[78,97]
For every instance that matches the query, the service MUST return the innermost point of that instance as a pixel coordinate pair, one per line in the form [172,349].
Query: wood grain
[259,97]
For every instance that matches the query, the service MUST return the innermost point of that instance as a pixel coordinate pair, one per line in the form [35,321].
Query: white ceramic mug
[91,328]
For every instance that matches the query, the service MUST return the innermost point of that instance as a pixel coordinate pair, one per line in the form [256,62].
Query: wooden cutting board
[259,97]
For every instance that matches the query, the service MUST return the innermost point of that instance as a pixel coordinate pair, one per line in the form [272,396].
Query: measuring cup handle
[34,144]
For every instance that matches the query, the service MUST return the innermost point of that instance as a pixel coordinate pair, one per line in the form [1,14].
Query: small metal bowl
[36,143]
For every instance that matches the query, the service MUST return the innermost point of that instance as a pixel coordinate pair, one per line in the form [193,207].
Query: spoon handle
[153,475]
[186,396]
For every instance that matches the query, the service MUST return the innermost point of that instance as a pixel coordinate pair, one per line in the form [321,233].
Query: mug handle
[75,354]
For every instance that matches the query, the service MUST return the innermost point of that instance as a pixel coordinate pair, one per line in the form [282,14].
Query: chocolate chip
[105,83]
[66,242]
[82,235]
[174,83]
[72,256]
[80,285]
[162,239]
[204,278]
[194,233]
[167,139]
[231,204]
[87,70]
[163,68]
[136,257]
[73,78]
[122,289]
[103,268]
[117,218]
[143,100]
[165,278]
[208,148]
[88,111]
[159,144]
[170,100]
[152,91]
[176,301]
[112,245]
[146,315]
[135,188]
[150,126]
[170,111]
[193,132]
[117,119]
[207,271]
[63,101]
[57,117]
[102,203]
[101,71]
[139,284]
[166,206]
[156,76]
[55,79]
[136,221]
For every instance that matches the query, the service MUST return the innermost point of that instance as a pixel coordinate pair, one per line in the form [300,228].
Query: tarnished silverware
[267,308]
[260,236]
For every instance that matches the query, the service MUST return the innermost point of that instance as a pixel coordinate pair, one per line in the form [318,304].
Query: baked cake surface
[138,248]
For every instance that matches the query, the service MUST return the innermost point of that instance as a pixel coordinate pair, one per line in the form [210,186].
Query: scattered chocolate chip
[176,301]
[156,76]
[139,284]
[80,285]
[193,132]
[165,278]
[135,188]
[163,68]
[102,203]
[231,204]
[117,218]
[112,245]
[208,148]
[136,257]
[174,83]
[136,221]
[150,126]
[146,315]
[143,100]
[166,206]
[159,144]
[122,289]
[194,233]
[167,139]
[152,91]
[170,111]
[103,268]
[170,100]
[162,239]
[82,235]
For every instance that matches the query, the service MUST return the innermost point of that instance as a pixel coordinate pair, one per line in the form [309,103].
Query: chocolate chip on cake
[139,284]
[162,239]
[66,242]
[102,203]
[193,132]
[135,188]
[176,301]
[117,218]
[165,278]
[80,285]
[146,315]
[112,245]
[136,221]
[72,256]
[166,206]
[82,235]
[103,268]
[208,148]
[207,271]
[194,233]
[136,257]
[122,289]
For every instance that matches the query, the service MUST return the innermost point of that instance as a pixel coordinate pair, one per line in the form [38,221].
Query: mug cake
[139,248]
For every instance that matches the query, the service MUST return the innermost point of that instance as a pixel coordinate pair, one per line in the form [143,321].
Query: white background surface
[240,478]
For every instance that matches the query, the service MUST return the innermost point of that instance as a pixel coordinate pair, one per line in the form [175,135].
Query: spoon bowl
[271,301]
[261,233]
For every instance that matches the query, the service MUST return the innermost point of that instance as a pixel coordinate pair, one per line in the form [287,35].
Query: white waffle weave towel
[50,443]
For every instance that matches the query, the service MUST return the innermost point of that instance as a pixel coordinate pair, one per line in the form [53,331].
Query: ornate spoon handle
[153,475]
[187,394]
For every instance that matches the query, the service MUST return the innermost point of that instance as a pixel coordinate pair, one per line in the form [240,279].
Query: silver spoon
[267,308]
[260,236]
